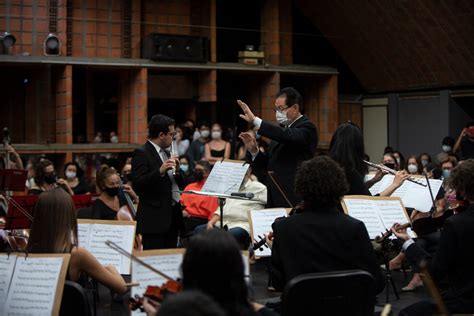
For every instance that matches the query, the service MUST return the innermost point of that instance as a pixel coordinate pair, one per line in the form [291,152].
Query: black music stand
[13,179]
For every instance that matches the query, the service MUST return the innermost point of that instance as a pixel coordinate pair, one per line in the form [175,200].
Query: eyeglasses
[280,109]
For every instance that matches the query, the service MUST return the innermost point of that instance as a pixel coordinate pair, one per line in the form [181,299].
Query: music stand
[13,179]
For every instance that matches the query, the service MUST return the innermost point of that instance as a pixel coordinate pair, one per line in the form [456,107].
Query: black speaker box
[168,47]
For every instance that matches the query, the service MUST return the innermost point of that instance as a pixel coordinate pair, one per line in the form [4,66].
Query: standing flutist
[156,179]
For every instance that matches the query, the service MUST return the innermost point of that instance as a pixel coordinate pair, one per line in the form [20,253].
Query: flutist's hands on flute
[400,177]
[169,164]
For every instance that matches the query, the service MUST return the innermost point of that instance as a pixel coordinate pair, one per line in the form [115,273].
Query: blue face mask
[184,168]
[446,173]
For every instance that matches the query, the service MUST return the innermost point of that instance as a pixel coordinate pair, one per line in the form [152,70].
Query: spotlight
[8,40]
[52,45]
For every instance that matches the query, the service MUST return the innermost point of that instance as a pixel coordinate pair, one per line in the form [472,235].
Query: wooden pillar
[64,107]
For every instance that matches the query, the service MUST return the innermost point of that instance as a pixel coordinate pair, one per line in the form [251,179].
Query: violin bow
[271,173]
[122,251]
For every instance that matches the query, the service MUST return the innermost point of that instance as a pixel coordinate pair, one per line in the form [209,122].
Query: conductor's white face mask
[281,118]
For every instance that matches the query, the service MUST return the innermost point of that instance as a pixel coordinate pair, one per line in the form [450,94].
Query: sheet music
[33,286]
[7,265]
[225,177]
[169,264]
[412,194]
[93,238]
[262,221]
[366,212]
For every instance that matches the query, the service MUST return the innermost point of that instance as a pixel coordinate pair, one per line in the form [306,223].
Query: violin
[155,293]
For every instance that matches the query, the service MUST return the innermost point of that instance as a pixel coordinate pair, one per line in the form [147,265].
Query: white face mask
[196,135]
[216,135]
[70,175]
[114,139]
[412,168]
[446,148]
[205,133]
[282,118]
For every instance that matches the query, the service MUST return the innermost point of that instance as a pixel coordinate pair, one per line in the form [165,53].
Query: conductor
[293,140]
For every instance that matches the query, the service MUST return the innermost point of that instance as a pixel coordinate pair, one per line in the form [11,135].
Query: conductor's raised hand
[248,114]
[250,142]
[167,165]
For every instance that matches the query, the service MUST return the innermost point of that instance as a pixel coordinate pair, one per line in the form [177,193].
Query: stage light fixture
[8,40]
[52,45]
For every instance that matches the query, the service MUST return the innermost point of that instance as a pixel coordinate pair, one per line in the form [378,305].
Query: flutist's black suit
[289,147]
[321,240]
[157,220]
[453,262]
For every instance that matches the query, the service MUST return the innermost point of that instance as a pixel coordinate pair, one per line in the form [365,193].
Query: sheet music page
[225,177]
[413,195]
[122,235]
[7,265]
[33,286]
[391,212]
[83,234]
[169,264]
[366,212]
[262,221]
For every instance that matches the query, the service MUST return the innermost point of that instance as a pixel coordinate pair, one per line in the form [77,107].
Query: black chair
[74,301]
[85,212]
[350,292]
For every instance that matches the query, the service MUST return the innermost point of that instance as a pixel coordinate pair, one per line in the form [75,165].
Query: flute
[174,153]
[391,171]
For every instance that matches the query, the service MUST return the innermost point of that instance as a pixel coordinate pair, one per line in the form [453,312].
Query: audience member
[464,146]
[46,179]
[447,146]
[181,141]
[74,178]
[196,149]
[217,149]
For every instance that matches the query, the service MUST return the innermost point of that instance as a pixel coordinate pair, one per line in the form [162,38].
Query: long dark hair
[347,148]
[54,228]
[213,264]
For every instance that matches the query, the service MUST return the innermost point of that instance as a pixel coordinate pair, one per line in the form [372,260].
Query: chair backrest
[350,292]
[85,212]
[74,301]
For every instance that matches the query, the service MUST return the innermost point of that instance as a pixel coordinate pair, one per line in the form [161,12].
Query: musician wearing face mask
[47,179]
[74,179]
[217,148]
[196,149]
[197,209]
[293,140]
[413,165]
[111,199]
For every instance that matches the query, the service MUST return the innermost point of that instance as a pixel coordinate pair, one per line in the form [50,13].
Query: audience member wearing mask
[127,171]
[413,166]
[181,141]
[197,209]
[186,170]
[425,159]
[446,166]
[196,149]
[447,147]
[74,178]
[464,146]
[217,148]
[113,138]
[390,161]
[110,199]
[46,179]
[400,159]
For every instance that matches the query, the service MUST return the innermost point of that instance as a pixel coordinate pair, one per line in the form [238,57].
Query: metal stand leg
[221,208]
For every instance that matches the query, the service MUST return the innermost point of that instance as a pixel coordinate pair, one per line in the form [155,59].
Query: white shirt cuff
[407,244]
[254,155]
[257,122]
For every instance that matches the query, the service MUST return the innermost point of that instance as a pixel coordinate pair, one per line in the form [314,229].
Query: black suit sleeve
[367,261]
[277,275]
[142,176]
[443,260]
[297,135]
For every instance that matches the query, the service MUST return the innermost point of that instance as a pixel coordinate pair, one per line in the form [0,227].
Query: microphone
[247,195]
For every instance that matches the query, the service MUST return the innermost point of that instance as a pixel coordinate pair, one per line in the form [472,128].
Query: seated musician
[454,256]
[320,238]
[213,264]
[347,149]
[111,198]
[197,209]
[235,211]
[47,179]
[54,230]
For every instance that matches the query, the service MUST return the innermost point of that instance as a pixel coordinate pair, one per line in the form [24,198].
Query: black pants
[160,241]
[190,223]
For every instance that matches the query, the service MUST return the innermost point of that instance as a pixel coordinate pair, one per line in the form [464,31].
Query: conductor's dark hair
[347,148]
[462,179]
[190,303]
[213,264]
[159,123]
[292,97]
[321,182]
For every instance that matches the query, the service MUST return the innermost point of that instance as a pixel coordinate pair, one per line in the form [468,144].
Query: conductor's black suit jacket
[321,240]
[288,148]
[155,213]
